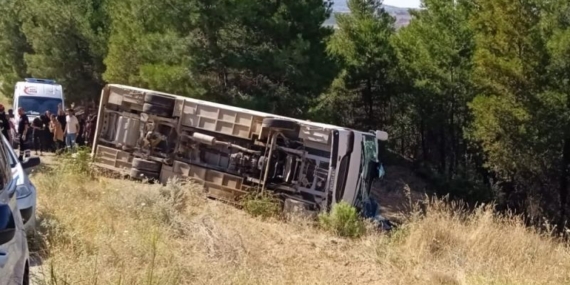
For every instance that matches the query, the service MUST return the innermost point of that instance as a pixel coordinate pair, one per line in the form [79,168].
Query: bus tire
[160,100]
[280,124]
[138,174]
[157,110]
[146,165]
[288,128]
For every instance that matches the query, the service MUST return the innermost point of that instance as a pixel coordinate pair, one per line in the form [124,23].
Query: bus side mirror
[381,135]
[381,171]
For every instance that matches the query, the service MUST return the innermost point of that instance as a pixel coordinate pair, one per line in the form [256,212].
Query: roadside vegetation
[97,230]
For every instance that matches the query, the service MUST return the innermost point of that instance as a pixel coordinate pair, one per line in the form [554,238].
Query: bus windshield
[34,105]
[370,167]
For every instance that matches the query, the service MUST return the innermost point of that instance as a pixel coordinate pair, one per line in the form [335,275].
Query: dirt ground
[398,192]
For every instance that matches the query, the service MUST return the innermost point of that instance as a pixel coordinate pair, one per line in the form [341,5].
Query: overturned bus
[232,151]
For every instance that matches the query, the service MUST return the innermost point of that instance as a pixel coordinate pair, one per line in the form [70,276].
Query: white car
[14,253]
[25,189]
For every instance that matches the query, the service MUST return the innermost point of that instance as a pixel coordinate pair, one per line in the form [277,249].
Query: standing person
[4,122]
[81,132]
[23,128]
[47,135]
[90,128]
[38,135]
[71,129]
[58,134]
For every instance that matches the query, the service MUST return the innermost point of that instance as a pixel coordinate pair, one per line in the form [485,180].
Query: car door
[13,243]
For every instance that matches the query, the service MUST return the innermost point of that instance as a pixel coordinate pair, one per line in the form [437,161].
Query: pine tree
[435,53]
[510,68]
[360,95]
[69,43]
[149,45]
[13,46]
[264,55]
[554,115]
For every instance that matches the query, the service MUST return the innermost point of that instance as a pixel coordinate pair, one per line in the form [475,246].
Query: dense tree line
[475,92]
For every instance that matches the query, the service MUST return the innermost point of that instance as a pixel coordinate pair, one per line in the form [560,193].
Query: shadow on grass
[37,241]
[36,260]
[49,233]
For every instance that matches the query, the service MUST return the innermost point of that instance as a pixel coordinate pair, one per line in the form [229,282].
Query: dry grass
[105,231]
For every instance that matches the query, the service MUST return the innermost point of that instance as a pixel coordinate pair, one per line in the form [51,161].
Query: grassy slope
[105,231]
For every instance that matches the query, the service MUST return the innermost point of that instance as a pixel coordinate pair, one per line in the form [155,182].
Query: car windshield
[34,105]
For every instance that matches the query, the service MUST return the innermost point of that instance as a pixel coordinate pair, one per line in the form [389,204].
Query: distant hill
[402,15]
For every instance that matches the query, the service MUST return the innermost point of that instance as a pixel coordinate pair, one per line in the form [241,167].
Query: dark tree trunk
[563,189]
[370,104]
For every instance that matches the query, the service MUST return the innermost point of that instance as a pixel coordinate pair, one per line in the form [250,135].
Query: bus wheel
[280,124]
[146,165]
[138,174]
[157,110]
[289,128]
[160,101]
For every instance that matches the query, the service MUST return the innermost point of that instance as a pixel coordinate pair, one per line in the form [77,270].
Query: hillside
[107,231]
[402,15]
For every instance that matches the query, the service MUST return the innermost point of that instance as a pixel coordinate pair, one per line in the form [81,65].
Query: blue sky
[403,3]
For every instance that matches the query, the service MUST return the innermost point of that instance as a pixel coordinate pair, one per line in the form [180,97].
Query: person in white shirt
[71,128]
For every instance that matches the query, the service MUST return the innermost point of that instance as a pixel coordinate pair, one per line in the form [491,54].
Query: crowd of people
[54,133]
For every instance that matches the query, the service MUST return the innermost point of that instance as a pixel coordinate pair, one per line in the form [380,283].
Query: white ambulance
[37,96]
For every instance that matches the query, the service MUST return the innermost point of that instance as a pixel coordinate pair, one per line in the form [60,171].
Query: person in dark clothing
[47,141]
[81,135]
[38,135]
[23,128]
[4,123]
[90,126]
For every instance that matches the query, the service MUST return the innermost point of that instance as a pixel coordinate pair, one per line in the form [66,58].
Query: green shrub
[78,162]
[343,220]
[262,204]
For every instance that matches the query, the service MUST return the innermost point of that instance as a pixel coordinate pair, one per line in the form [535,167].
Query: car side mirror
[381,171]
[31,162]
[381,135]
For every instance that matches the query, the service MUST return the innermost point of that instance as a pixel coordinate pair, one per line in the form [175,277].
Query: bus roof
[233,108]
